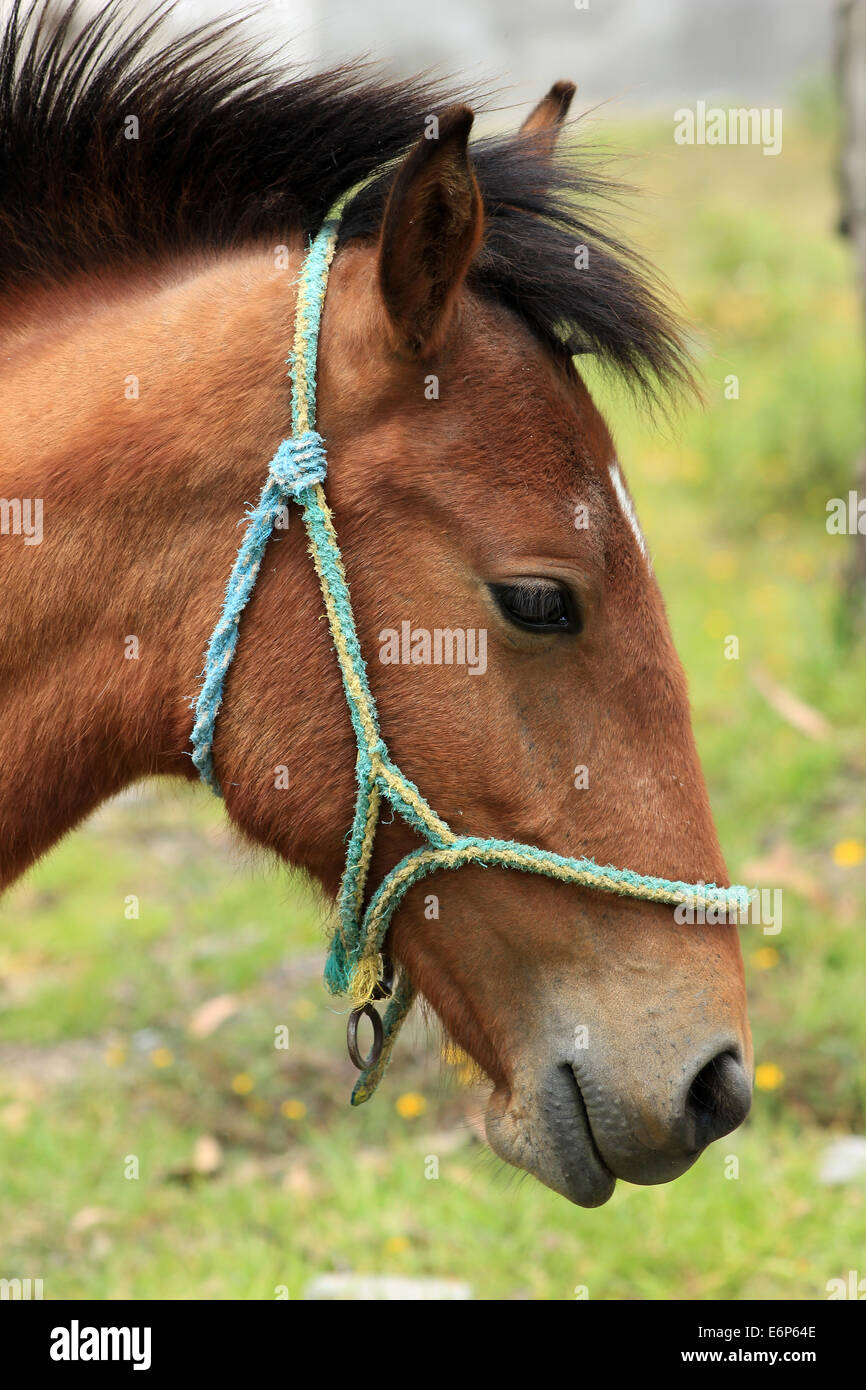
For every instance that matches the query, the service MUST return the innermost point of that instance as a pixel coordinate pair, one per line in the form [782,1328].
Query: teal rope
[297,472]
[329,558]
[313,274]
[344,953]
[295,468]
[496,853]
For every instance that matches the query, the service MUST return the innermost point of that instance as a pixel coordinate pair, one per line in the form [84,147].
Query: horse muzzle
[577,1125]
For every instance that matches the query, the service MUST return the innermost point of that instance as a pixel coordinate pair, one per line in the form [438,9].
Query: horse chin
[546,1132]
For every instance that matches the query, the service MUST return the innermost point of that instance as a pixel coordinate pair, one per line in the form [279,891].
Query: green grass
[97,1062]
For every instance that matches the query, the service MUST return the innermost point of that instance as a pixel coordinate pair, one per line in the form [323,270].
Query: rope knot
[299,463]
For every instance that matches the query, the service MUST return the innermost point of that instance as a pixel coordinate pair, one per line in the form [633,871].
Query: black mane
[232,151]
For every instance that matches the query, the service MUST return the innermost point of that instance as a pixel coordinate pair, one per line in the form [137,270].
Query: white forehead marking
[628,509]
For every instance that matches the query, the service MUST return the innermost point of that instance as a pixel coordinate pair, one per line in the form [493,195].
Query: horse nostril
[718,1099]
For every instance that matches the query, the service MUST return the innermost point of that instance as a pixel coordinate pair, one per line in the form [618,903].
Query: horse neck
[141,417]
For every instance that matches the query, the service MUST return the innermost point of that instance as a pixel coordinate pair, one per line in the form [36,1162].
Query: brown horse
[153,215]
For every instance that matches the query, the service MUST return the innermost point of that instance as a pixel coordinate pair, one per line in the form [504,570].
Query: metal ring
[361,1062]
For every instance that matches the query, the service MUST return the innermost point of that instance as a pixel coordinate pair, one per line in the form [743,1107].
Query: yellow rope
[515,859]
[418,804]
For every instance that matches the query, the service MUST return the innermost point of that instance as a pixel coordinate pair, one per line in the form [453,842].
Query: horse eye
[539,605]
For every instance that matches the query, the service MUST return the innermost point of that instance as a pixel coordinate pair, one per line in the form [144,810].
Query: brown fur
[433,501]
[142,501]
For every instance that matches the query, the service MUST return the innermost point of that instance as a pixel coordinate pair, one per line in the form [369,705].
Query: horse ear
[431,229]
[545,120]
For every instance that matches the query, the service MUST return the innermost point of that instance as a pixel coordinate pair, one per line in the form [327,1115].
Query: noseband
[356,964]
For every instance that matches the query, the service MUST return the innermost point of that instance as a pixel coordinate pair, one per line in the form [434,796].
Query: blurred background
[153,1141]
[640,53]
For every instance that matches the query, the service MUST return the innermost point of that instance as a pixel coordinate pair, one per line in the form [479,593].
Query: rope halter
[356,965]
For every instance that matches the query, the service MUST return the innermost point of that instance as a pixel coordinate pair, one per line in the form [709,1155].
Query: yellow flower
[293,1109]
[410,1105]
[242,1084]
[396,1245]
[849,853]
[468,1072]
[765,958]
[162,1057]
[768,1077]
[717,624]
[115,1056]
